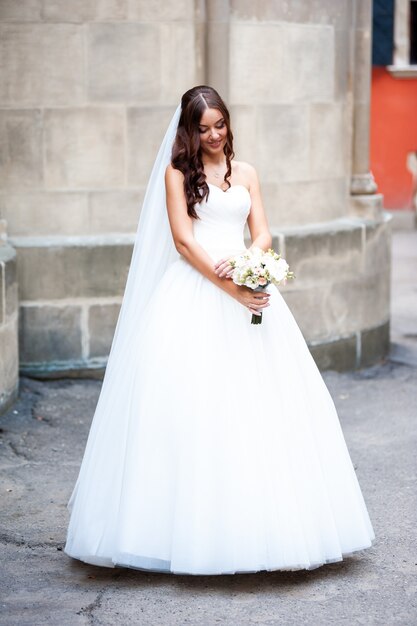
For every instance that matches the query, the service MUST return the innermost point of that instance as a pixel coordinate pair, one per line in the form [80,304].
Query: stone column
[401,33]
[9,361]
[365,201]
[217,46]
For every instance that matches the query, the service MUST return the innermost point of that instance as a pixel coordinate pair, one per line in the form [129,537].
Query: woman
[215,446]
[202,157]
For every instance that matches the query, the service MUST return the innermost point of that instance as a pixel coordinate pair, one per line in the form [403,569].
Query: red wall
[393,136]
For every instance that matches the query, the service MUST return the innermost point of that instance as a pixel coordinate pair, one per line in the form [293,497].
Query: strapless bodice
[223,215]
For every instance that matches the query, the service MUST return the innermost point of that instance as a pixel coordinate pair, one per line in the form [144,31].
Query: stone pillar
[364,200]
[217,46]
[9,360]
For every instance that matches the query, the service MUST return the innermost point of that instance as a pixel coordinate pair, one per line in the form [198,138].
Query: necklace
[216,173]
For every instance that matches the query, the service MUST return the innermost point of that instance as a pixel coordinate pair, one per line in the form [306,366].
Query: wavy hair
[186,151]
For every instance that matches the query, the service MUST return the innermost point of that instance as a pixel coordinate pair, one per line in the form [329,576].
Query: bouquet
[256,269]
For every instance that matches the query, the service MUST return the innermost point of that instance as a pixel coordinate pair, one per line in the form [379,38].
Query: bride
[215,446]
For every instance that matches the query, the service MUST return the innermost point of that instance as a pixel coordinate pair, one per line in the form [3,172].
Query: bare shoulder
[173,177]
[246,172]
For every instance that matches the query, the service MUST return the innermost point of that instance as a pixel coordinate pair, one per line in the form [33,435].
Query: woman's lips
[216,144]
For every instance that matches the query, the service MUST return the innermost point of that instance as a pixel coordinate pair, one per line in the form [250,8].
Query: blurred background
[323,98]
[394,106]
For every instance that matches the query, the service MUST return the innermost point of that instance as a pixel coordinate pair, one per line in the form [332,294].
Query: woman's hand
[255,301]
[223,268]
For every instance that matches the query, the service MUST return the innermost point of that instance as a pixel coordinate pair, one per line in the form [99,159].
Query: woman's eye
[218,126]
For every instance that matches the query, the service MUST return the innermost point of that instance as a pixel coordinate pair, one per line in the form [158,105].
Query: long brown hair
[186,151]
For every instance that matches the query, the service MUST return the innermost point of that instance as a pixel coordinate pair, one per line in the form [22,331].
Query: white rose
[277,269]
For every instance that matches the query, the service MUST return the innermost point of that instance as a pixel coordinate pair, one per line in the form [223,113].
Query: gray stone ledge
[340,354]
[76,267]
[341,224]
[68,241]
[362,349]
[349,257]
[403,71]
[77,368]
[349,250]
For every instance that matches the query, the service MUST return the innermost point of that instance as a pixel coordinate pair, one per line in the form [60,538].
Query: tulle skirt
[220,450]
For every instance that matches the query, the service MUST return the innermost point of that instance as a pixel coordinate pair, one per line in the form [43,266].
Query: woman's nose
[215,134]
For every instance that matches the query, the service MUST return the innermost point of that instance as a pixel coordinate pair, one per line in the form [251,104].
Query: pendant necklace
[216,173]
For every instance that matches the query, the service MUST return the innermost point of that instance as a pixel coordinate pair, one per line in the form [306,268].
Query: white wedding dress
[224,453]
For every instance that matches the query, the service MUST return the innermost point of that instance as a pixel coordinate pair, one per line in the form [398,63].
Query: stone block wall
[73,330]
[86,91]
[291,101]
[299,92]
[341,294]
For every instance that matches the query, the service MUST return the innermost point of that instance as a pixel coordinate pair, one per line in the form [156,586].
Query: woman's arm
[257,221]
[182,227]
[190,249]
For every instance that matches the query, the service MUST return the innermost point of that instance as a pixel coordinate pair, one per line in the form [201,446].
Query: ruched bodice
[223,215]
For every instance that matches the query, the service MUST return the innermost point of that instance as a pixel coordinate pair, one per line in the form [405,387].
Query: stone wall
[341,296]
[299,92]
[9,360]
[288,92]
[86,92]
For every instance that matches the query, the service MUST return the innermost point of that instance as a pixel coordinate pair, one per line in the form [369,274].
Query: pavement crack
[19,453]
[20,541]
[14,541]
[40,418]
[93,606]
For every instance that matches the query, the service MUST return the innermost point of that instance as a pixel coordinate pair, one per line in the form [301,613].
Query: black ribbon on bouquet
[257,319]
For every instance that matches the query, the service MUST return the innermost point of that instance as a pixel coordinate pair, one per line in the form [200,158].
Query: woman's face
[213,131]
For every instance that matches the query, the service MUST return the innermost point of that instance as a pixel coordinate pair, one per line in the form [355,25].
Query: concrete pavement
[42,441]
